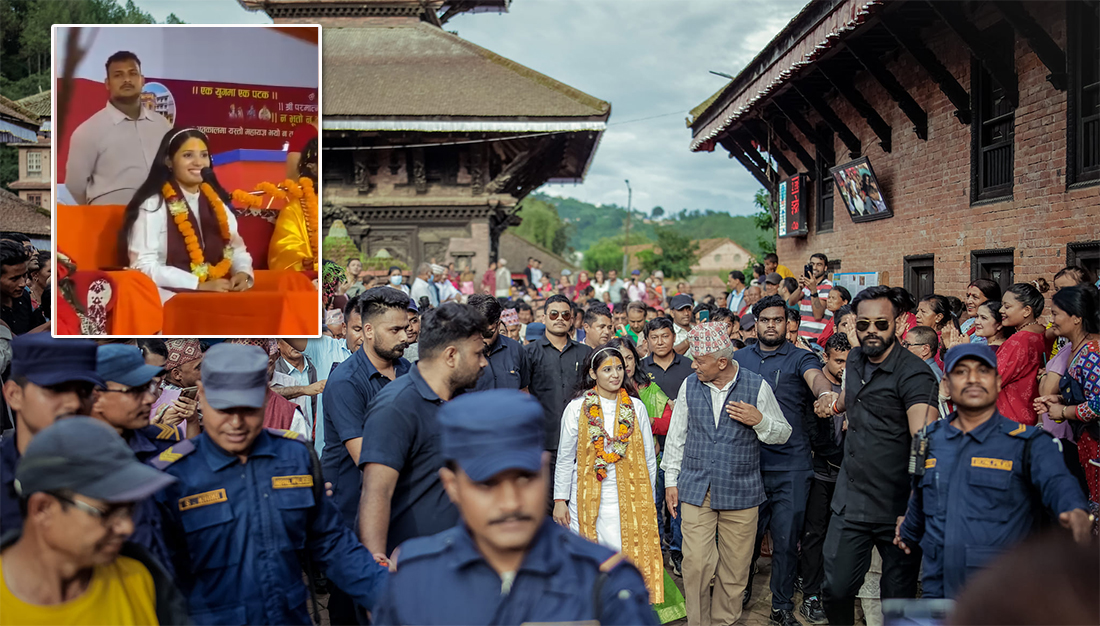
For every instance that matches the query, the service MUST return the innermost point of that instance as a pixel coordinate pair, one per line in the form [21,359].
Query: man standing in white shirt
[111,153]
[615,286]
[421,288]
[737,290]
[712,466]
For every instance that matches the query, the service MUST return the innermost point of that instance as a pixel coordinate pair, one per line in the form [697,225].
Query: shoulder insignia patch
[284,434]
[610,563]
[172,454]
[1019,430]
[168,433]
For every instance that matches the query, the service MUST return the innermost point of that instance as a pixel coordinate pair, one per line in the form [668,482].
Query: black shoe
[677,559]
[745,597]
[813,611]
[784,617]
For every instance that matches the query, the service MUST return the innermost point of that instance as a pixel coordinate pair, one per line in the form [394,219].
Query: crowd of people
[435,448]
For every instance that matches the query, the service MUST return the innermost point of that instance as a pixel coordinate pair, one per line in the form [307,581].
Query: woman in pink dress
[1021,355]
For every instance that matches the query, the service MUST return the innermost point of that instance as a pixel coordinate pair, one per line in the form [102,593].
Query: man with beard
[889,396]
[354,384]
[110,153]
[555,368]
[50,379]
[787,468]
[597,326]
[328,352]
[78,485]
[402,494]
[506,558]
[412,352]
[507,367]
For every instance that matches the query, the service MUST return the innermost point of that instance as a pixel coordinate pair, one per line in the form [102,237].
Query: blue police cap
[535,331]
[87,457]
[124,364]
[46,361]
[489,432]
[235,375]
[979,351]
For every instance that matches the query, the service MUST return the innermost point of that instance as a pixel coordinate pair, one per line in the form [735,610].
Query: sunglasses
[906,344]
[565,315]
[863,325]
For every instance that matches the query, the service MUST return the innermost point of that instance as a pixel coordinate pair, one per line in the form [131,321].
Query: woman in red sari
[1021,355]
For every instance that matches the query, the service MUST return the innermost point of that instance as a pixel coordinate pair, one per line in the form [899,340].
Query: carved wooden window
[994,126]
[1083,106]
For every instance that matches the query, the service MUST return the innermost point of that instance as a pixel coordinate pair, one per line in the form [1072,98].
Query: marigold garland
[248,200]
[309,210]
[179,212]
[608,450]
[302,192]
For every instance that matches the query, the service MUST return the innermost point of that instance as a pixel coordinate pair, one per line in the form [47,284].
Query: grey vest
[725,460]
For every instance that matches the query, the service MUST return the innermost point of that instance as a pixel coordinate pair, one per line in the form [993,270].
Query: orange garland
[309,210]
[301,191]
[178,209]
[247,200]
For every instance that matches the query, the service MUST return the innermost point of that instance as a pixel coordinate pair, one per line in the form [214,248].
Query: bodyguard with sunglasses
[555,361]
[50,379]
[889,395]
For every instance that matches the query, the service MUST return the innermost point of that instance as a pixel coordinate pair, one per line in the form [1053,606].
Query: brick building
[981,121]
[429,141]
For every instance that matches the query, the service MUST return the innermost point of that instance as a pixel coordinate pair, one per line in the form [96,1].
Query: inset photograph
[185,171]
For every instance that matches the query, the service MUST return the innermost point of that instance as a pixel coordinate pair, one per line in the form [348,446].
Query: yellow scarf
[637,511]
[290,246]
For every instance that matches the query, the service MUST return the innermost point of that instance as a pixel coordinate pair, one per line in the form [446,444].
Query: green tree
[658,212]
[678,254]
[605,254]
[543,226]
[765,221]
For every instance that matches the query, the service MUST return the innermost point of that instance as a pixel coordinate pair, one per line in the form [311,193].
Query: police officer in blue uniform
[986,480]
[248,511]
[50,379]
[507,562]
[128,398]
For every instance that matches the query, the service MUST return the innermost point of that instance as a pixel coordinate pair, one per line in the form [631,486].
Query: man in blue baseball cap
[128,397]
[50,379]
[506,556]
[78,485]
[986,481]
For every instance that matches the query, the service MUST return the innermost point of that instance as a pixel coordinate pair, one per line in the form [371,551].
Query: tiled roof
[10,108]
[420,71]
[20,216]
[38,104]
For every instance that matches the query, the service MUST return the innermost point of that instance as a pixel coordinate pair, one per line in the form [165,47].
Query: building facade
[429,141]
[980,120]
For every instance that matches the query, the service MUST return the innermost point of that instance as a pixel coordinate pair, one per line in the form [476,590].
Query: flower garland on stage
[608,450]
[177,207]
[301,192]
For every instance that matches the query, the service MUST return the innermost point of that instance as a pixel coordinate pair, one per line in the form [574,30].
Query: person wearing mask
[597,326]
[422,286]
[1021,356]
[397,280]
[986,481]
[873,484]
[682,316]
[50,379]
[827,445]
[712,466]
[326,353]
[402,496]
[264,490]
[555,362]
[507,362]
[795,378]
[506,558]
[355,384]
[79,485]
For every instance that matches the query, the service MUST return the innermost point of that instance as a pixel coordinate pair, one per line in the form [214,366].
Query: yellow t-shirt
[784,271]
[120,593]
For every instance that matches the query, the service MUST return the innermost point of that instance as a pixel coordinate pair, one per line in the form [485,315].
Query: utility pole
[626,243]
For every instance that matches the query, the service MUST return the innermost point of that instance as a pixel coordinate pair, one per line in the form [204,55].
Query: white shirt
[297,378]
[421,289]
[504,282]
[772,429]
[681,337]
[300,424]
[149,246]
[635,291]
[600,289]
[733,303]
[608,529]
[110,155]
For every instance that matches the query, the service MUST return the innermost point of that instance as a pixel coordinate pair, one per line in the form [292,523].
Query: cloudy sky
[649,58]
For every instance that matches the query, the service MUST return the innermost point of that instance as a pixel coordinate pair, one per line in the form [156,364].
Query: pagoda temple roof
[420,77]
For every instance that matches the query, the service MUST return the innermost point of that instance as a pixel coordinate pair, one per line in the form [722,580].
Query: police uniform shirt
[150,441]
[10,518]
[348,394]
[784,369]
[507,368]
[402,432]
[443,579]
[978,496]
[235,532]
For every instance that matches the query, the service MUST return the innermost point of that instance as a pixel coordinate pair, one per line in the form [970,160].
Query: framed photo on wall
[858,187]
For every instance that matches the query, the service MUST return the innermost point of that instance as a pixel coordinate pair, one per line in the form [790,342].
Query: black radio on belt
[918,453]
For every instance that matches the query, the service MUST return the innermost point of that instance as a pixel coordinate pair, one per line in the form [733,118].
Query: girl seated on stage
[179,230]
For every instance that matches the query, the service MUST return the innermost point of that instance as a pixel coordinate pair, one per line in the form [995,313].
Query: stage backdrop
[246,87]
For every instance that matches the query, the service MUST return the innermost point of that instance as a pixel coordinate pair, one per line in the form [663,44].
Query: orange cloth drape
[279,304]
